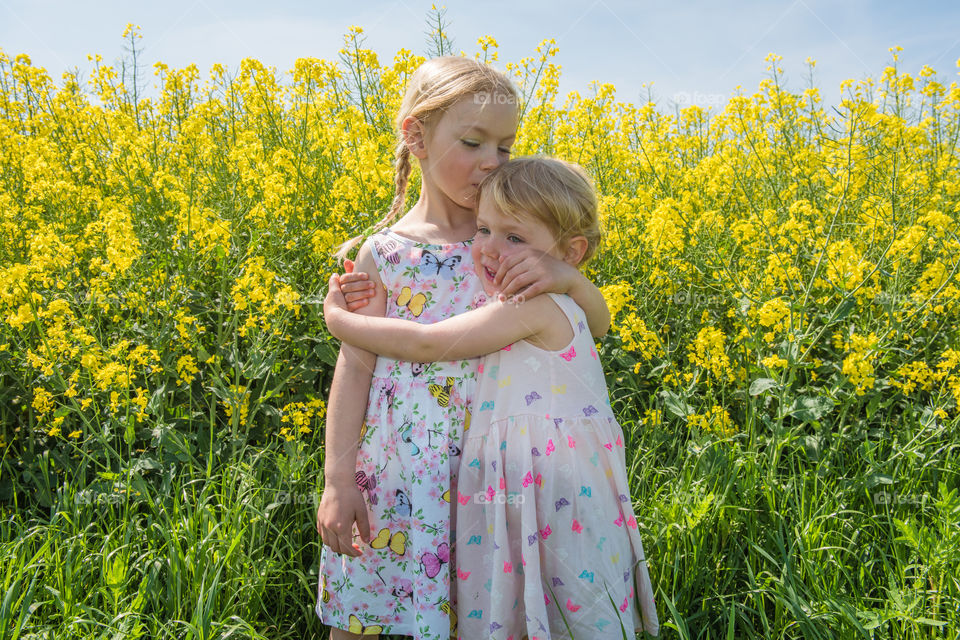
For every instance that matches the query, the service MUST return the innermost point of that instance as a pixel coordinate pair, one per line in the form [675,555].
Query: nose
[491,160]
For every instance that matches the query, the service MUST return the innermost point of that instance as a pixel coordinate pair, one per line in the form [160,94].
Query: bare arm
[342,504]
[530,273]
[466,335]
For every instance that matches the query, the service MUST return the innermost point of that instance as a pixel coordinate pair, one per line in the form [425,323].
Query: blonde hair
[433,88]
[554,192]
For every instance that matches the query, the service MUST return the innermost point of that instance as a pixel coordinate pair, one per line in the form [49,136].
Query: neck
[436,218]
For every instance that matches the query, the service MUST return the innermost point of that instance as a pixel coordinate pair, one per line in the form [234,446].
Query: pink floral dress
[548,543]
[408,459]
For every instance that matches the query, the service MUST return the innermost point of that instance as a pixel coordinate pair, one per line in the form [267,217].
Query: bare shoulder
[553,328]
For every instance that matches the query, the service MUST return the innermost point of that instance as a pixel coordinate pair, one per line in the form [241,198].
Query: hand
[357,288]
[531,272]
[333,303]
[341,506]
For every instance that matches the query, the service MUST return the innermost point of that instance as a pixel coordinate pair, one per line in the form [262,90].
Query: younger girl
[394,427]
[548,544]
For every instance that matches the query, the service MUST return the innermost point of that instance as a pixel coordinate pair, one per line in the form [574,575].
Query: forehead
[484,113]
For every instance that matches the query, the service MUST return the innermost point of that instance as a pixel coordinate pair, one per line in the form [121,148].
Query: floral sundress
[407,463]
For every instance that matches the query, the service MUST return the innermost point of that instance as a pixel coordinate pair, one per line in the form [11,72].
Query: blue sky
[687,51]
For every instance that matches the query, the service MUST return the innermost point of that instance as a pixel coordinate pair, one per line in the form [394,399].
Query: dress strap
[575,315]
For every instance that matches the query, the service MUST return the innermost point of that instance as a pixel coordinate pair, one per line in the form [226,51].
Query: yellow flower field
[783,276]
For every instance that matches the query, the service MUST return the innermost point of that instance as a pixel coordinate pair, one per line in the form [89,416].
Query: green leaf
[760,385]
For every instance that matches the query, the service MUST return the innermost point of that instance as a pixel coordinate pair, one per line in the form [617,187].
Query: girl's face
[500,235]
[471,139]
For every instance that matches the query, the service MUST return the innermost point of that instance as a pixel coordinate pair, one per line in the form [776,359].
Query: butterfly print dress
[408,459]
[547,540]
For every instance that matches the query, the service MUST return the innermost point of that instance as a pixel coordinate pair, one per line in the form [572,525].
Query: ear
[576,249]
[414,136]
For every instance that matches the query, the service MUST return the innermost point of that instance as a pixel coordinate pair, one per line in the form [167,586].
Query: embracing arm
[466,335]
[530,273]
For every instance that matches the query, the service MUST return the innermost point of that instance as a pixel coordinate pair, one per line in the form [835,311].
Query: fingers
[348,266]
[363,524]
[341,543]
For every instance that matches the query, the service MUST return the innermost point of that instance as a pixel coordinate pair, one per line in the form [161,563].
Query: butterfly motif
[619,521]
[572,607]
[487,405]
[475,463]
[533,363]
[531,538]
[453,449]
[632,522]
[545,532]
[626,603]
[491,494]
[557,582]
[416,368]
[447,609]
[368,484]
[608,446]
[601,623]
[397,542]
[507,348]
[532,397]
[600,544]
[624,498]
[388,250]
[494,626]
[577,527]
[462,499]
[357,627]
[463,575]
[433,561]
[431,265]
[582,327]
[557,422]
[404,507]
[589,410]
[494,371]
[619,441]
[508,567]
[550,447]
[505,382]
[595,458]
[586,491]
[406,434]
[569,354]
[558,390]
[562,502]
[586,575]
[475,540]
[442,393]
[571,442]
[534,451]
[414,302]
[593,353]
[476,613]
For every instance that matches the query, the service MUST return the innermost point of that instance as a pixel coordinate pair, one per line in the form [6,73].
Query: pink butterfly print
[405,590]
[550,448]
[571,442]
[632,522]
[545,532]
[388,251]
[593,352]
[572,607]
[569,354]
[490,493]
[368,484]
[507,567]
[626,601]
[462,499]
[433,561]
[619,441]
[463,575]
[507,348]
[619,521]
[503,484]
[609,446]
[577,527]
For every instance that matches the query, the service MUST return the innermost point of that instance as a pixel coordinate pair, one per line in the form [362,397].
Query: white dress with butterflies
[548,543]
[408,459]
